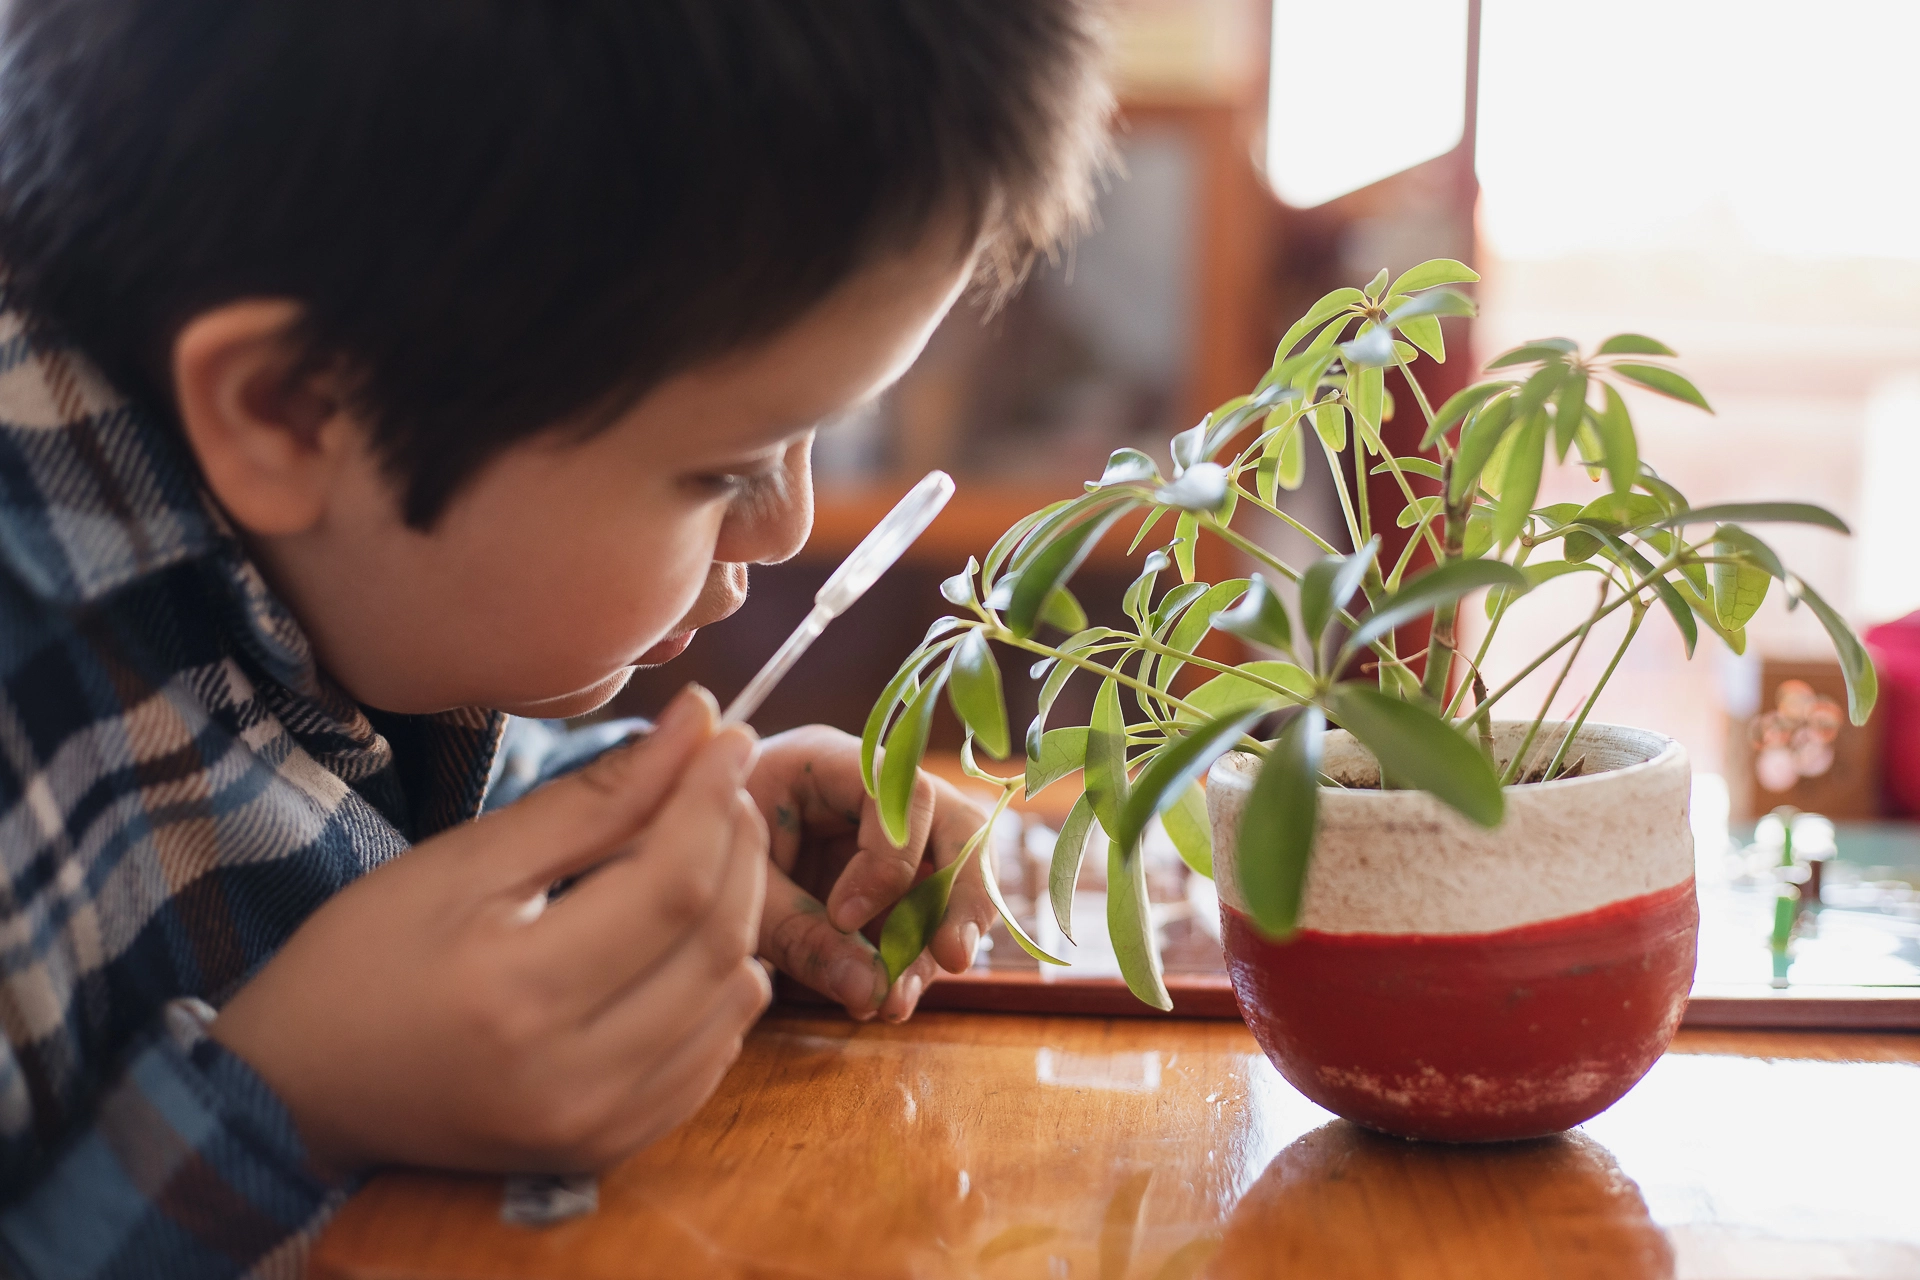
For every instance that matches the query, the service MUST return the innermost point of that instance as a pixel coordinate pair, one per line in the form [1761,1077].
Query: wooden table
[971,1145]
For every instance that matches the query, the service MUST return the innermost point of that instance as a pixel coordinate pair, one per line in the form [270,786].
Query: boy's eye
[745,480]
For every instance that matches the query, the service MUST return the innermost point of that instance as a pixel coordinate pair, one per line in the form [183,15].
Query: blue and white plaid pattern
[180,787]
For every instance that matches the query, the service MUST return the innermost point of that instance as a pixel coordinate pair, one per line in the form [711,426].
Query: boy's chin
[569,705]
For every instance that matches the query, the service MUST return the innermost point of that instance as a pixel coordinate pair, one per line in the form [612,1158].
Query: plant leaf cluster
[1323,634]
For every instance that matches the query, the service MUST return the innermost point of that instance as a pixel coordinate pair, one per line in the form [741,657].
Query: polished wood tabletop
[973,1145]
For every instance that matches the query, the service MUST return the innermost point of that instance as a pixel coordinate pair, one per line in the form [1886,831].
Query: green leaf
[1260,617]
[1762,513]
[1666,381]
[1478,440]
[1194,624]
[1201,487]
[1370,349]
[1439,585]
[1057,563]
[1226,692]
[1146,527]
[1479,533]
[1063,873]
[1330,424]
[1106,755]
[1008,920]
[1625,556]
[1186,540]
[1420,510]
[890,698]
[1617,441]
[1520,483]
[1416,747]
[1191,831]
[1733,540]
[1135,602]
[1458,406]
[1569,411]
[911,923]
[1275,843]
[1328,584]
[974,690]
[1173,604]
[1061,752]
[1412,466]
[1367,390]
[1615,512]
[1432,272]
[1863,682]
[1538,349]
[1063,610]
[906,745]
[1535,574]
[1634,344]
[1537,390]
[1129,466]
[1738,589]
[1438,302]
[1377,286]
[1703,609]
[958,590]
[1322,311]
[1004,545]
[1178,766]
[1130,926]
[1425,333]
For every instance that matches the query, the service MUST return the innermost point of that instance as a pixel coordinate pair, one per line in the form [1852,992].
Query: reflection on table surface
[995,1146]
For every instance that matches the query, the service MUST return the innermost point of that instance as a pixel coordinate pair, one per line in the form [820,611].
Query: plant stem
[1340,484]
[1659,571]
[1254,549]
[1295,525]
[1559,757]
[1166,651]
[1516,765]
[1440,639]
[1007,637]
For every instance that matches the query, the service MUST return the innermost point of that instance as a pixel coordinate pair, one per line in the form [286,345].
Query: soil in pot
[1464,985]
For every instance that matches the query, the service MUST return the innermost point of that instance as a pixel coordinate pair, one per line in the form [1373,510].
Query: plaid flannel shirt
[180,787]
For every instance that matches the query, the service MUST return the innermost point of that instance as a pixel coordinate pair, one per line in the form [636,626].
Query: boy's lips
[667,650]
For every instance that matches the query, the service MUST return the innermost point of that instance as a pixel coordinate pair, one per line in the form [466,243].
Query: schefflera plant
[1331,658]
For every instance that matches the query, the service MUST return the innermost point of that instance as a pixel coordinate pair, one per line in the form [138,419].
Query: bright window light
[1361,92]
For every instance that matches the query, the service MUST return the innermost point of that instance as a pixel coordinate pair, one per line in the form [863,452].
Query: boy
[371,370]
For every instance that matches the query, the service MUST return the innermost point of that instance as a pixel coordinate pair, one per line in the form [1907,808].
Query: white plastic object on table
[876,554]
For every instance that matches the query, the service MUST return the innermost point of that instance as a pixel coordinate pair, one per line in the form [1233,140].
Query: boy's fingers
[970,912]
[905,995]
[797,937]
[879,872]
[575,821]
[694,869]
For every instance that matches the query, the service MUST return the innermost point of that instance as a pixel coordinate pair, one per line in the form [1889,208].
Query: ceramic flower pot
[1453,983]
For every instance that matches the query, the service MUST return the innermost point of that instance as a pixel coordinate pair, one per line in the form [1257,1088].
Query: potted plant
[1442,919]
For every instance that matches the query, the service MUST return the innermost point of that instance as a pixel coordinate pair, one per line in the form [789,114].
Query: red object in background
[1896,652]
[1484,1037]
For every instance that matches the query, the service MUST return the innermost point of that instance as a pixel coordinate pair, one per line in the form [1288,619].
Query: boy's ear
[271,447]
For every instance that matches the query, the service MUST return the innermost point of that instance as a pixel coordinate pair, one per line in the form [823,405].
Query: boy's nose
[775,527]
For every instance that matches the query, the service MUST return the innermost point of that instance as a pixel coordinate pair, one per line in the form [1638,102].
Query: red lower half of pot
[1481,1037]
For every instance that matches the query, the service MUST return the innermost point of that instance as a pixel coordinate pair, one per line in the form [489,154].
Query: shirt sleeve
[534,752]
[191,1166]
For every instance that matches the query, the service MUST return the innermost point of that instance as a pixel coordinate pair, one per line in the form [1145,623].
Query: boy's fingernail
[910,990]
[853,982]
[969,941]
[684,706]
[736,749]
[854,912]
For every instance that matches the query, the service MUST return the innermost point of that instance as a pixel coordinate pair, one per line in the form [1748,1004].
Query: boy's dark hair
[500,215]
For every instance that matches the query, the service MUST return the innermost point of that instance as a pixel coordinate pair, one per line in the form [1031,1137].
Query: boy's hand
[433,1013]
[827,843]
